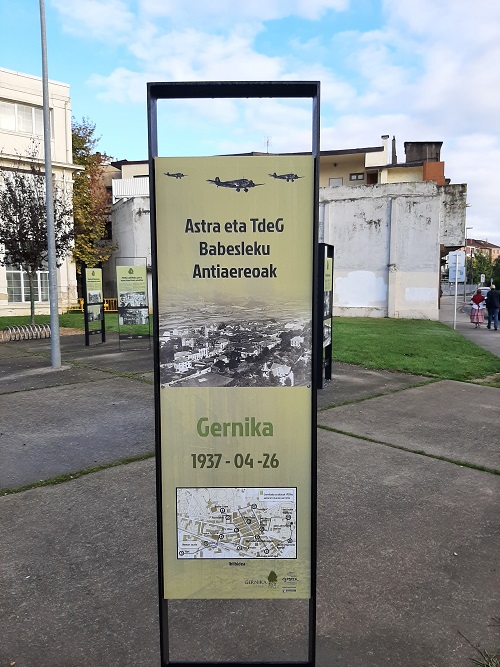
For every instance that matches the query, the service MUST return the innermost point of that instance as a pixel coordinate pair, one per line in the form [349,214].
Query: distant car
[484,290]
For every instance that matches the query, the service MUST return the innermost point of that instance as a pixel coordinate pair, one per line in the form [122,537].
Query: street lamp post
[49,200]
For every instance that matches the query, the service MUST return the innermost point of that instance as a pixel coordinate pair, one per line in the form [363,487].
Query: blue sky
[422,70]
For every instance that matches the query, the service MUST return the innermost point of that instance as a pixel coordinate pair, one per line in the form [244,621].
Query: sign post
[236,360]
[93,304]
[133,303]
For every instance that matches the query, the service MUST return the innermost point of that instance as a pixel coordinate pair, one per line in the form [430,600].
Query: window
[335,182]
[18,286]
[357,177]
[21,118]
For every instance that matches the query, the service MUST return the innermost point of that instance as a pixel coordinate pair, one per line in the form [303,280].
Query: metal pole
[456,292]
[465,277]
[55,343]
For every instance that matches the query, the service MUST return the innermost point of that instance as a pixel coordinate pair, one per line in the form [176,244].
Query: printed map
[236,523]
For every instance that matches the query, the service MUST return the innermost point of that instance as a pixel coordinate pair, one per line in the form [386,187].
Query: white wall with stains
[387,242]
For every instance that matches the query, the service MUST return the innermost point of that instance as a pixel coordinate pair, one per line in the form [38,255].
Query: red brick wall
[434,171]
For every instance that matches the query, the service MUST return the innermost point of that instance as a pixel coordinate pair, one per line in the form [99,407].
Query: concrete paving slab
[446,418]
[35,372]
[487,339]
[12,350]
[114,360]
[56,430]
[78,572]
[407,556]
[104,356]
[352,383]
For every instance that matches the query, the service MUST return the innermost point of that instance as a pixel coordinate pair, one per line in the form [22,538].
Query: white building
[391,224]
[21,124]
[388,243]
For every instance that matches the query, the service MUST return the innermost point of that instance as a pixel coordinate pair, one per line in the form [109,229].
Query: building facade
[21,132]
[388,241]
[474,246]
[391,224]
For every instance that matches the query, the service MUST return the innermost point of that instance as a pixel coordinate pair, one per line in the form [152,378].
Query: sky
[419,70]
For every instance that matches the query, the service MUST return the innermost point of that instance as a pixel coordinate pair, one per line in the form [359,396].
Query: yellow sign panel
[132,287]
[235,247]
[93,279]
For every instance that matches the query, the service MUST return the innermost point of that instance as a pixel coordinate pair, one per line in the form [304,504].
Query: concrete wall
[387,246]
[344,166]
[130,220]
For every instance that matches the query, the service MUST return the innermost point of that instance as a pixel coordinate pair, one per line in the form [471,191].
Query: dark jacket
[493,299]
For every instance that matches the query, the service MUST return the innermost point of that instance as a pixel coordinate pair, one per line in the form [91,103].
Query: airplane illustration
[237,184]
[176,175]
[286,177]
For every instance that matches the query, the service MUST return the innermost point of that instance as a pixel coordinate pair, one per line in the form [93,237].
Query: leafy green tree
[23,220]
[91,203]
[481,264]
[496,272]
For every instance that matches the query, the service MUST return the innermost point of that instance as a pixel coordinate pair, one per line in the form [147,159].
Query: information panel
[133,312]
[94,303]
[235,271]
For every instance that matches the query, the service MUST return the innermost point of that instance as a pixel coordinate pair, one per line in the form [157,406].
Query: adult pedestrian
[493,306]
[477,309]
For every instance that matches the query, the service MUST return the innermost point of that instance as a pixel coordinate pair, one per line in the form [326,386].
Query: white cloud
[226,12]
[105,20]
[427,72]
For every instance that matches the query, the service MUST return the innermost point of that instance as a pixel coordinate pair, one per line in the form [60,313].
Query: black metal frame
[218,90]
[325,374]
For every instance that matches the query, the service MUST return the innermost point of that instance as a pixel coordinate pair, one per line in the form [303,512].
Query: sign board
[483,278]
[456,265]
[94,304]
[326,270]
[237,343]
[133,311]
[235,304]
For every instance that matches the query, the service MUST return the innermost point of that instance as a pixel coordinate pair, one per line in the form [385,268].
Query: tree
[91,205]
[23,220]
[481,264]
[496,272]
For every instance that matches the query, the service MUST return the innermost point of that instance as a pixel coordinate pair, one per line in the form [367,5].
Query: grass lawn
[74,320]
[413,346]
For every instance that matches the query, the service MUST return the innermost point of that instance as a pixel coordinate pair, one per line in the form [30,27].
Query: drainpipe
[391,262]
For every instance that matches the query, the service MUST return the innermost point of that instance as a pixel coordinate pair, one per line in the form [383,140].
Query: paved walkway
[487,339]
[408,535]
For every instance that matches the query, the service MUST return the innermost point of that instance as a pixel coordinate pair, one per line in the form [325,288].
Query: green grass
[421,347]
[74,320]
[412,346]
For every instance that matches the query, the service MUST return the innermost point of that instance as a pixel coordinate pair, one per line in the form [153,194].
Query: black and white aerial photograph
[230,345]
[94,296]
[132,300]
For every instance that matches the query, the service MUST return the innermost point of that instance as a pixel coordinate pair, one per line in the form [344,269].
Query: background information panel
[235,271]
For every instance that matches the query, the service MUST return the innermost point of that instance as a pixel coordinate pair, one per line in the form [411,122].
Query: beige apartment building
[391,222]
[474,246]
[21,128]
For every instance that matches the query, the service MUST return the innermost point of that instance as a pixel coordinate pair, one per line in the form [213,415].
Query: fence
[110,305]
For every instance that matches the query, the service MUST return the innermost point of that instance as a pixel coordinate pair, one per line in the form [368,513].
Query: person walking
[493,306]
[477,309]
